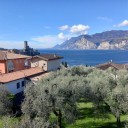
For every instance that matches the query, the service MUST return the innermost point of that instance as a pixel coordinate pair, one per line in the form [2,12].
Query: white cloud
[18,44]
[49,41]
[62,36]
[104,18]
[11,44]
[47,38]
[122,24]
[64,27]
[79,29]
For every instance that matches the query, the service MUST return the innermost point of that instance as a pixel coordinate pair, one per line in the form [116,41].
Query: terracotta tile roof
[49,57]
[40,76]
[113,65]
[5,55]
[5,78]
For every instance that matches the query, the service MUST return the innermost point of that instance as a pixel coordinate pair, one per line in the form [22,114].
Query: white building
[48,62]
[16,81]
[37,66]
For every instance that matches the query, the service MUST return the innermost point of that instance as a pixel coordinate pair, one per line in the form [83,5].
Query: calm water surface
[90,57]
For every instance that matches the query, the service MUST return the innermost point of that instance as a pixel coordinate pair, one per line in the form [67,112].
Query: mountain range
[114,39]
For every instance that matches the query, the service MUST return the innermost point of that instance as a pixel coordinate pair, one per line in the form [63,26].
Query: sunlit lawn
[88,119]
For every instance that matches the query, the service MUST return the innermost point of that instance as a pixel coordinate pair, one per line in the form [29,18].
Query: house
[112,65]
[48,62]
[10,62]
[16,69]
[16,81]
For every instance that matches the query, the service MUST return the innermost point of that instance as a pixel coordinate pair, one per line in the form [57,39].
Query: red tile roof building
[10,62]
[16,70]
[49,57]
[112,65]
[8,77]
[49,62]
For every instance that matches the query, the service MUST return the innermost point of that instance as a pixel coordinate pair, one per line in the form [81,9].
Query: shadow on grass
[96,121]
[94,124]
[91,113]
[86,112]
[88,118]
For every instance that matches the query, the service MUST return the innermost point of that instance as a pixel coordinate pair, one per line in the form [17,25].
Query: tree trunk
[59,116]
[59,119]
[118,122]
[118,119]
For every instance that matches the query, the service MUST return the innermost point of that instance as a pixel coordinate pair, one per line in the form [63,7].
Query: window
[10,66]
[26,62]
[23,83]
[18,85]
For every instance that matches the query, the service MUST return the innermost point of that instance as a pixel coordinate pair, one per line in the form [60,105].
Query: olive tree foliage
[99,87]
[57,94]
[117,98]
[5,101]
[81,70]
[24,122]
[110,89]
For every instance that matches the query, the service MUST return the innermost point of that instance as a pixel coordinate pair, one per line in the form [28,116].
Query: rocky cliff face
[116,39]
[81,43]
[123,44]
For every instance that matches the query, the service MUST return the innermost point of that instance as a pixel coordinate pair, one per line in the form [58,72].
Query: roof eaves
[43,58]
[57,58]
[13,80]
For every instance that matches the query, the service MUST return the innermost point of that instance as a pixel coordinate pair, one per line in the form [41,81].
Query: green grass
[88,119]
[7,122]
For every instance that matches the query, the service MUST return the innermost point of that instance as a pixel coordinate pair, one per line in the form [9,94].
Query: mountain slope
[115,39]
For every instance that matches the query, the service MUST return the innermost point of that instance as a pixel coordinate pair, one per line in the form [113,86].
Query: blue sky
[45,23]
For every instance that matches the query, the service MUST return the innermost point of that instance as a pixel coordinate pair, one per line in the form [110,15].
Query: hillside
[115,39]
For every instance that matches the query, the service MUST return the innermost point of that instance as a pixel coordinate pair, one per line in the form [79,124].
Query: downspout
[6,66]
[6,62]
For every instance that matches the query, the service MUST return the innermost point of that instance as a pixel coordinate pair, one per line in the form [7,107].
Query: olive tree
[81,70]
[56,95]
[117,98]
[98,88]
[109,88]
[5,101]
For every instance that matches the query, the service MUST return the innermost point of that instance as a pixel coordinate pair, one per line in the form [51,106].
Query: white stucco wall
[12,86]
[53,65]
[43,64]
[46,65]
[36,62]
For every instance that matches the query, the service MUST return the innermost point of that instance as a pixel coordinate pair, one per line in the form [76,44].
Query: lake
[90,57]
